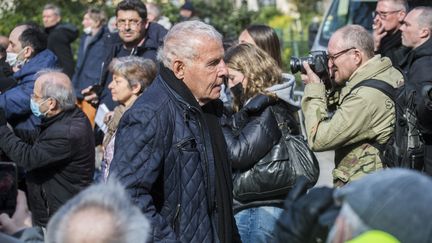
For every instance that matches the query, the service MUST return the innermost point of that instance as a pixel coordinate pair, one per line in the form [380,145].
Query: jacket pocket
[187,144]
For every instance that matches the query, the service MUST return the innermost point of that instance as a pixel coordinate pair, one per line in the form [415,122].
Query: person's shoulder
[64,32]
[156,32]
[157,28]
[153,99]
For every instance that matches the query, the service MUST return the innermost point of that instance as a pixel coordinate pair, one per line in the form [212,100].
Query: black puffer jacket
[252,132]
[59,163]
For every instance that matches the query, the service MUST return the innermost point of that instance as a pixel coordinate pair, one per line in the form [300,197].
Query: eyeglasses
[383,14]
[332,58]
[133,23]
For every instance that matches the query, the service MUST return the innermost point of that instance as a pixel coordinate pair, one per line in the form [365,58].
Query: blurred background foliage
[222,14]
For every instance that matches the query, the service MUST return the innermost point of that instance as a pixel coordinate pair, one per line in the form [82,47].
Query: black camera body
[317,61]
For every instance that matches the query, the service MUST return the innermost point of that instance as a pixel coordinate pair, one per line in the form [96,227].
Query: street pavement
[326,162]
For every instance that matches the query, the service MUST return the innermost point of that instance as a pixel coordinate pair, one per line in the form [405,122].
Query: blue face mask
[35,108]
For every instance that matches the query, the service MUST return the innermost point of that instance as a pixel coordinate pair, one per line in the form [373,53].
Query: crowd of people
[195,135]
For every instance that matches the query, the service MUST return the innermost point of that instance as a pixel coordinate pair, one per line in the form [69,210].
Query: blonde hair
[256,65]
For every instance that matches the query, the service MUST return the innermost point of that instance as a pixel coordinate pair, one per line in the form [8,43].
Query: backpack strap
[380,85]
[386,89]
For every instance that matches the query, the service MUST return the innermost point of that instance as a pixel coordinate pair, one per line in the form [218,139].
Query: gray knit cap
[397,201]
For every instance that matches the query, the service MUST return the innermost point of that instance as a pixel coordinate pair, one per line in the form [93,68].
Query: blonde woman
[263,102]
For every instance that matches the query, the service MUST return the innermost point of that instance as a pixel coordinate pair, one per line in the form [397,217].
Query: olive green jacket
[363,116]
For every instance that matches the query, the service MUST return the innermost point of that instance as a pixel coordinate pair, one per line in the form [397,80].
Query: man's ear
[178,69]
[28,52]
[358,57]
[52,104]
[425,33]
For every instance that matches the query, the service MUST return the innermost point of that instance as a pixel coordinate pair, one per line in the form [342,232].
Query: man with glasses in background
[388,18]
[138,36]
[364,116]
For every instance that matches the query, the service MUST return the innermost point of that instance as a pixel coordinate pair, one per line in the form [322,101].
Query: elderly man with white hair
[170,152]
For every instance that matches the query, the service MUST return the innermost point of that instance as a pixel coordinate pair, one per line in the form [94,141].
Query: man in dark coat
[59,157]
[91,52]
[60,37]
[389,15]
[28,45]
[416,34]
[170,152]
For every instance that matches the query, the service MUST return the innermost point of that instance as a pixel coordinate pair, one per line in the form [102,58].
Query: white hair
[183,39]
[130,225]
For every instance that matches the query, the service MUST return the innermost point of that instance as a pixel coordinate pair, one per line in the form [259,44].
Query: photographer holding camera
[363,117]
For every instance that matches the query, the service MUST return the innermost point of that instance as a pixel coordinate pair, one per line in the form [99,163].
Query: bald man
[59,157]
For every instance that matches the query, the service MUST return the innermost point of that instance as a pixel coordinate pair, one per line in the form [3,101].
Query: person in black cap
[187,12]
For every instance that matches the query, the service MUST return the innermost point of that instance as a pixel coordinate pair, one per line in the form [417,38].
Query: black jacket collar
[215,106]
[178,86]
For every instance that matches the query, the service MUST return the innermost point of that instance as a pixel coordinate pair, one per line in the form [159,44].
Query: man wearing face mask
[59,156]
[91,55]
[27,54]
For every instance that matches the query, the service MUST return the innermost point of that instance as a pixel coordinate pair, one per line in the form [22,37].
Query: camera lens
[295,64]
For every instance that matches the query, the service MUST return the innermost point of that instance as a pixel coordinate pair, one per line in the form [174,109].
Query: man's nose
[223,70]
[9,48]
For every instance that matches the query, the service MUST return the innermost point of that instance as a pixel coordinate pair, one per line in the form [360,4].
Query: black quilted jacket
[164,157]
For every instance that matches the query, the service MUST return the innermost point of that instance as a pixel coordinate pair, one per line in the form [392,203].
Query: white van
[344,12]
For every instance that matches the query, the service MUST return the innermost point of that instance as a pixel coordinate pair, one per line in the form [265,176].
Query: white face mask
[88,30]
[13,58]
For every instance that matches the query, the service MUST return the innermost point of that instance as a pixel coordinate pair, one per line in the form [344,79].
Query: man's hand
[310,76]
[21,218]
[378,33]
[90,96]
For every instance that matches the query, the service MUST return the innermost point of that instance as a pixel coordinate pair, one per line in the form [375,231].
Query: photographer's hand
[310,76]
[21,218]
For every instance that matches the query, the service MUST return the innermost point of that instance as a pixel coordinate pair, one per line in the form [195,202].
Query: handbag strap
[282,124]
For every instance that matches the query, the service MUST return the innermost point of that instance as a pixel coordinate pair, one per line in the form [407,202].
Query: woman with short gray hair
[131,76]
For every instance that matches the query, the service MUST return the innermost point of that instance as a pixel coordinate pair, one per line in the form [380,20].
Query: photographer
[363,116]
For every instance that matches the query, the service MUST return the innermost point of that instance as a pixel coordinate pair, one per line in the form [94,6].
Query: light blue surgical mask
[35,108]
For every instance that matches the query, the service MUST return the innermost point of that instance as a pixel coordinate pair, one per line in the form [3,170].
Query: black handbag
[275,174]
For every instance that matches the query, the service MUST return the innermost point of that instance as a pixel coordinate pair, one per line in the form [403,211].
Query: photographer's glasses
[383,14]
[332,58]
